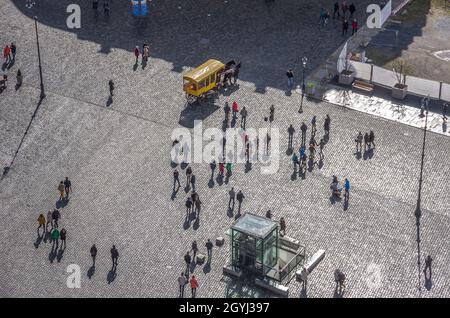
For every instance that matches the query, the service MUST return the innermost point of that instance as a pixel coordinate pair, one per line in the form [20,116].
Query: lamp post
[304,62]
[39,58]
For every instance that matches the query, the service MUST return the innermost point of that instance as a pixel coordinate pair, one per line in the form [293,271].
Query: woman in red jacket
[354,26]
[194,285]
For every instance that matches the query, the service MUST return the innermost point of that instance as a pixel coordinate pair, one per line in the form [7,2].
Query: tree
[401,69]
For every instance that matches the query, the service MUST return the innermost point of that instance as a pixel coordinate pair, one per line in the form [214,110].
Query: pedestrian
[194,196]
[19,78]
[339,278]
[313,126]
[303,162]
[336,10]
[228,168]
[344,27]
[282,226]
[291,132]
[269,214]
[63,235]
[232,198]
[93,254]
[7,54]
[209,246]
[240,197]
[344,7]
[145,53]
[272,113]
[55,217]
[227,111]
[95,6]
[187,259]
[55,237]
[428,261]
[366,141]
[221,168]
[41,221]
[358,141]
[13,51]
[321,16]
[301,151]
[67,187]
[136,54]
[193,182]
[351,9]
[321,145]
[49,219]
[326,18]
[243,117]
[303,128]
[326,124]
[188,176]
[347,190]
[295,160]
[114,256]
[176,178]
[188,205]
[290,78]
[198,204]
[372,139]
[194,286]
[235,109]
[354,26]
[3,82]
[182,281]
[194,248]
[111,87]
[61,190]
[106,8]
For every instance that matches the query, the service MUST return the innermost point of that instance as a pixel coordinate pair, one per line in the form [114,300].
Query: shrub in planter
[400,69]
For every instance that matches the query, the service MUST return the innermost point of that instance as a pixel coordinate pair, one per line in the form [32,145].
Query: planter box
[346,77]
[399,91]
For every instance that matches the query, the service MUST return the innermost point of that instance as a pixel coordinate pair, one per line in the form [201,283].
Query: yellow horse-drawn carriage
[208,78]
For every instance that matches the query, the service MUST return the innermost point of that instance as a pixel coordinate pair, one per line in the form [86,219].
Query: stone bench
[310,264]
[272,286]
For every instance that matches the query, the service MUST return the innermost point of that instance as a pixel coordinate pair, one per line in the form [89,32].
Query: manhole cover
[443,55]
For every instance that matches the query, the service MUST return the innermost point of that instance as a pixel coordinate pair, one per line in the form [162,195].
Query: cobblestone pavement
[118,160]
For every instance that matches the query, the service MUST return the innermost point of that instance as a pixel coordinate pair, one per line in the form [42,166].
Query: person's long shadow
[192,266]
[358,155]
[370,153]
[47,236]
[135,66]
[227,177]
[338,293]
[4,66]
[11,64]
[326,138]
[428,283]
[233,121]
[39,238]
[310,165]
[174,193]
[196,224]
[173,164]
[91,272]
[248,167]
[111,275]
[230,212]
[109,101]
[366,155]
[207,267]
[334,199]
[289,151]
[62,203]
[183,165]
[52,254]
[294,175]
[303,292]
[345,205]
[219,179]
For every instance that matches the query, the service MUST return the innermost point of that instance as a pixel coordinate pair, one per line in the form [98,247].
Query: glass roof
[254,225]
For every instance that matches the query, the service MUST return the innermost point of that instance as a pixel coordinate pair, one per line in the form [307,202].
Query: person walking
[13,51]
[111,88]
[321,145]
[61,190]
[228,168]
[344,7]
[55,217]
[313,126]
[243,117]
[176,179]
[272,113]
[351,9]
[63,235]
[114,257]
[194,286]
[336,10]
[188,205]
[67,187]
[188,176]
[366,141]
[227,111]
[358,141]
[49,220]
[93,252]
[295,160]
[372,139]
[321,17]
[303,128]
[232,198]
[209,246]
[193,182]
[41,221]
[187,260]
[235,109]
[240,197]
[282,226]
[326,124]
[106,8]
[19,78]
[7,54]
[354,26]
[136,54]
[290,79]
[344,27]
[428,261]
[347,190]
[291,132]
[182,281]
[55,238]
[221,168]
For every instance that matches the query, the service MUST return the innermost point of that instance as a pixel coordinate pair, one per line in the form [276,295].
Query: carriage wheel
[190,98]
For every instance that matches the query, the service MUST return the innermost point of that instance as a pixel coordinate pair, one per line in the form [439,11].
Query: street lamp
[39,57]
[304,62]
